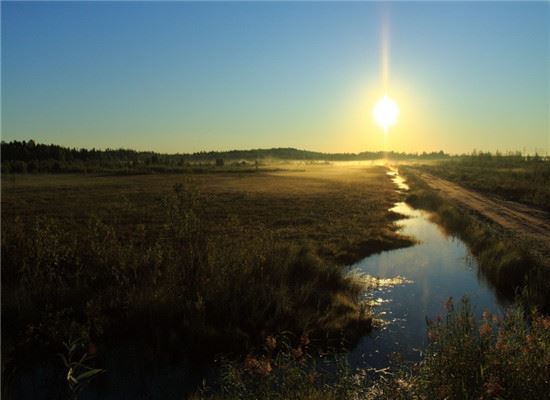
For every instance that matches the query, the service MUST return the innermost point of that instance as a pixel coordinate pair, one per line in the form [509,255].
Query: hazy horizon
[187,77]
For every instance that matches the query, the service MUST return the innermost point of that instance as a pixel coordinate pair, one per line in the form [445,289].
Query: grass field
[341,211]
[214,262]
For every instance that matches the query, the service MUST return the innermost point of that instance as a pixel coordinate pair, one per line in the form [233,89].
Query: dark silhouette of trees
[28,156]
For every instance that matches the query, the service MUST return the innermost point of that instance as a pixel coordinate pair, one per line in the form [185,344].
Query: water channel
[414,283]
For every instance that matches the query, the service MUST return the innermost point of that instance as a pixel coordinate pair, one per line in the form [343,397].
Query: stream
[413,284]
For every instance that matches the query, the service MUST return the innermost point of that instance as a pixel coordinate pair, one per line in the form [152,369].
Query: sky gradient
[184,77]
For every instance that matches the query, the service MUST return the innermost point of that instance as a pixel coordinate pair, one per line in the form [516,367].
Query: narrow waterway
[413,284]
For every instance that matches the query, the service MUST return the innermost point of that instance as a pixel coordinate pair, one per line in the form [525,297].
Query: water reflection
[398,179]
[429,272]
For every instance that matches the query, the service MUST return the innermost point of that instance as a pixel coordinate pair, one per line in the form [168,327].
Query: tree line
[31,157]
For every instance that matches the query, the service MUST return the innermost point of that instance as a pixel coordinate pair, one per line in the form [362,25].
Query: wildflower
[311,376]
[500,345]
[257,366]
[271,342]
[545,322]
[449,304]
[250,362]
[530,339]
[265,368]
[298,353]
[485,330]
[443,392]
[487,315]
[493,389]
[432,335]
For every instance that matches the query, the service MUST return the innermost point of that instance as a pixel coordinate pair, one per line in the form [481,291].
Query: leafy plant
[76,359]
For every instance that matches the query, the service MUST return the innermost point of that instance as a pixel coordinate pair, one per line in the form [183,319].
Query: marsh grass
[340,212]
[176,289]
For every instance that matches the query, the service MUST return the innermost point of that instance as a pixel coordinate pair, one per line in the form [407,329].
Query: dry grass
[187,265]
[340,210]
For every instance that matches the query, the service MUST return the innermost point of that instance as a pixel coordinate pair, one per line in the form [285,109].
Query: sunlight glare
[385,112]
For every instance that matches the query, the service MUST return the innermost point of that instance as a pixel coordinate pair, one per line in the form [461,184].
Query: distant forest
[31,157]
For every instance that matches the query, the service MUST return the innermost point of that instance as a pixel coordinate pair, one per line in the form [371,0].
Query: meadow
[190,265]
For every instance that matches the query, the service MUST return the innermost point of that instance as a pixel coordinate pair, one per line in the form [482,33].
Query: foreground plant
[498,357]
[495,357]
[76,358]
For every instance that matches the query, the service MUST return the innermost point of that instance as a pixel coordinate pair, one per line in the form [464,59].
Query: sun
[385,112]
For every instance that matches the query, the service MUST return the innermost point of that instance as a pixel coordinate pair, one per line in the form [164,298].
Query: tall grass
[495,358]
[285,370]
[176,287]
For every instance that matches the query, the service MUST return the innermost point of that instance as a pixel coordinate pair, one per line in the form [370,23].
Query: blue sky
[182,77]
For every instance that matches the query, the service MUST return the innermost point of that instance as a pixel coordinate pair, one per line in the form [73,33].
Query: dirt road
[515,218]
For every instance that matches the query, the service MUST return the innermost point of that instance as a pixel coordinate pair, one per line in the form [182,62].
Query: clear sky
[184,77]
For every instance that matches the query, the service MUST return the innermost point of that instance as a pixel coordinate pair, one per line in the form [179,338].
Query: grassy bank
[505,262]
